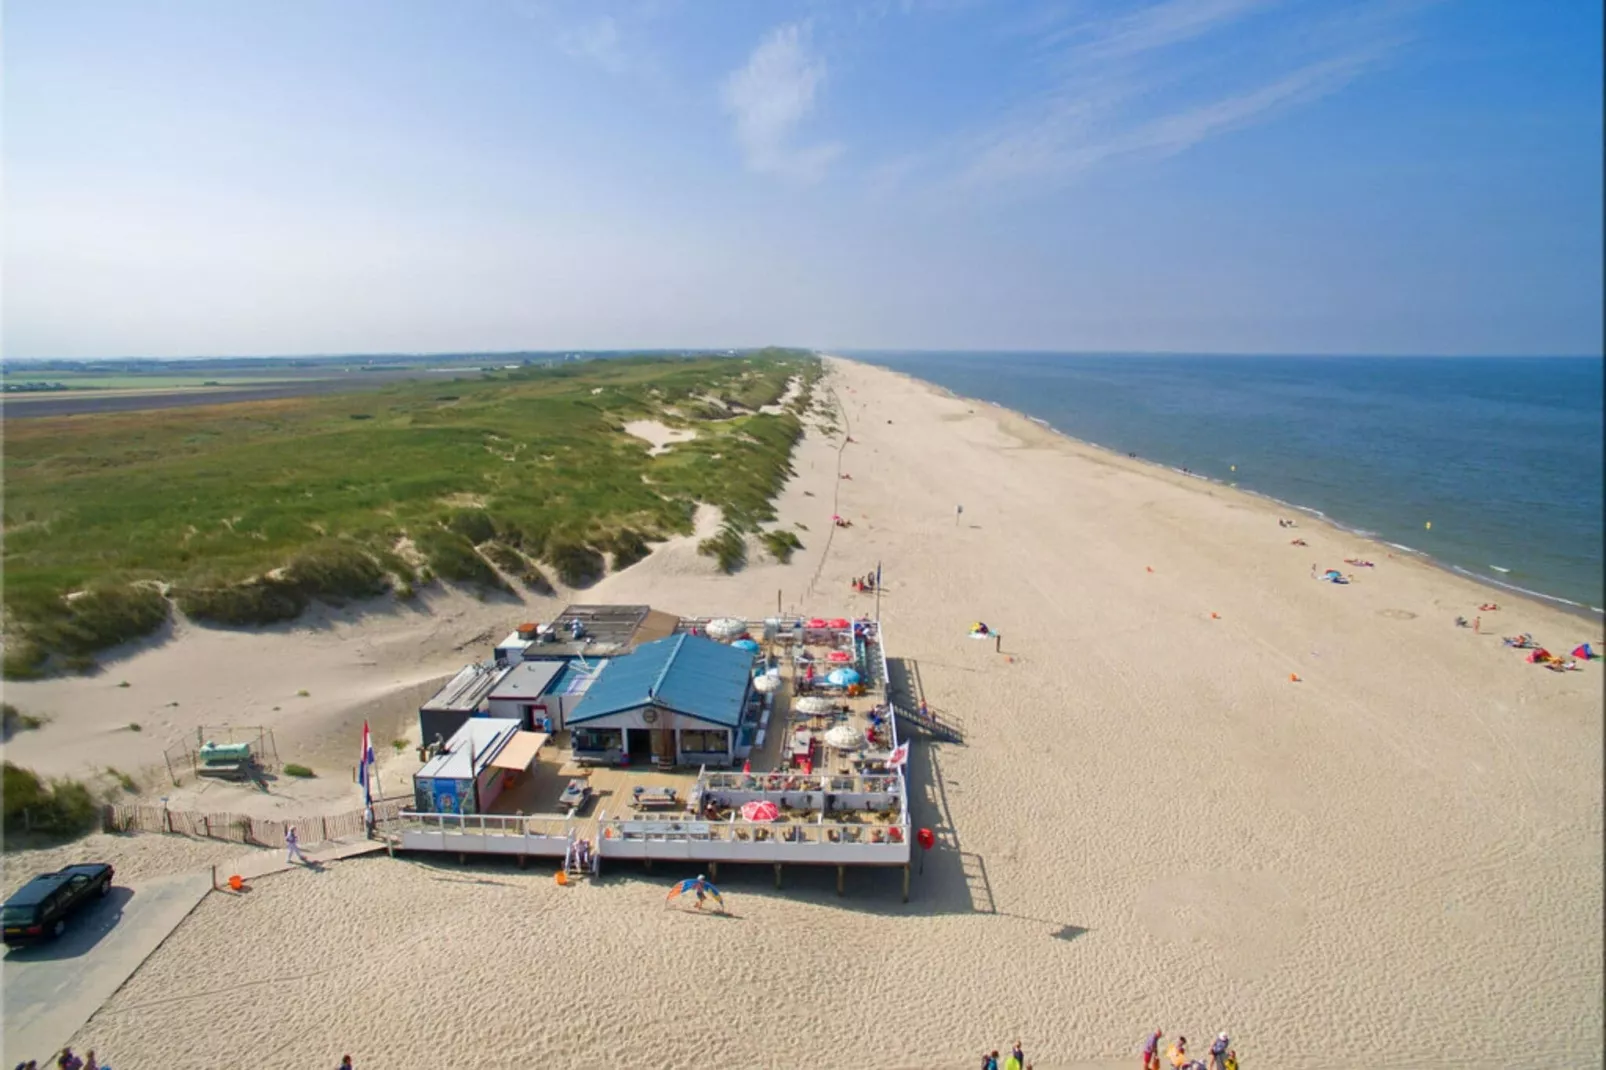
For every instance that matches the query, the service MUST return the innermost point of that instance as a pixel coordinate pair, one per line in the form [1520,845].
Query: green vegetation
[399,744]
[728,548]
[17,721]
[133,726]
[75,626]
[782,544]
[62,808]
[126,782]
[292,769]
[250,511]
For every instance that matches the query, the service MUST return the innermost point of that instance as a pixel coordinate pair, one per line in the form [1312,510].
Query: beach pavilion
[683,700]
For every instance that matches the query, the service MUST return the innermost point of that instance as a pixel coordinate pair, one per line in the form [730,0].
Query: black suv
[39,910]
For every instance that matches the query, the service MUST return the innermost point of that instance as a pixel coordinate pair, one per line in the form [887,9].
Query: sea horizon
[1511,469]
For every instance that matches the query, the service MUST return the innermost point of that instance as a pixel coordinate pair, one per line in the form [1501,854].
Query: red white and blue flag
[365,768]
[899,756]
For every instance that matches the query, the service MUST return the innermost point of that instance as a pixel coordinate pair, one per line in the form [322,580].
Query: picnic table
[574,795]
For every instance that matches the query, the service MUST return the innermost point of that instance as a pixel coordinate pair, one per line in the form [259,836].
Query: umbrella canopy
[844,737]
[766,684]
[816,622]
[843,677]
[840,656]
[760,810]
[746,644]
[726,627]
[813,704]
[839,622]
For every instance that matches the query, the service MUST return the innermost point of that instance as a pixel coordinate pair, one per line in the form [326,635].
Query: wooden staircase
[932,725]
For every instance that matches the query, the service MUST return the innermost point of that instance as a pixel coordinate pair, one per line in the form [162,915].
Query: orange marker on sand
[1293,677]
[1146,568]
[1214,615]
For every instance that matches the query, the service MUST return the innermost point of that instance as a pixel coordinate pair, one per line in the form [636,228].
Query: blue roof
[684,673]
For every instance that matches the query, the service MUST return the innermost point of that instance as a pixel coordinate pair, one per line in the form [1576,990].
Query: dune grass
[250,511]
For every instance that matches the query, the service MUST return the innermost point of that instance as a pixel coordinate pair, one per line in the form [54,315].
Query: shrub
[65,807]
[24,660]
[576,564]
[782,544]
[504,557]
[728,548]
[133,726]
[128,783]
[535,581]
[261,601]
[17,721]
[292,769]
[101,617]
[335,570]
[627,546]
[473,524]
[452,557]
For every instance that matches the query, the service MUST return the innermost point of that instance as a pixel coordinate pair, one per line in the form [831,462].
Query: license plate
[11,932]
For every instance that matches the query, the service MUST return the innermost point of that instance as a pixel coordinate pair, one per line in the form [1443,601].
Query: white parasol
[726,628]
[814,704]
[766,683]
[844,737]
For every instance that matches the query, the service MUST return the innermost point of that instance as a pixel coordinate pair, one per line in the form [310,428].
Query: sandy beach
[1198,791]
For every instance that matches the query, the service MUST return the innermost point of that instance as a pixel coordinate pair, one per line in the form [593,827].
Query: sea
[1489,466]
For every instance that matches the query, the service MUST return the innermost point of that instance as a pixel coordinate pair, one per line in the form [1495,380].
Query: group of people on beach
[1015,1060]
[1222,1056]
[66,1060]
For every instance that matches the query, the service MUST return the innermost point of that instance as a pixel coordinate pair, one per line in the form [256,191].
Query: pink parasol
[760,810]
[839,622]
[817,622]
[839,656]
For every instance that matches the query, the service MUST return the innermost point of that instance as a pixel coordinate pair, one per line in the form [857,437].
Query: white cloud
[770,96]
[1128,85]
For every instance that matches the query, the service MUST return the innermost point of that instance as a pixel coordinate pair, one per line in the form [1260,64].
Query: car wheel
[105,886]
[59,928]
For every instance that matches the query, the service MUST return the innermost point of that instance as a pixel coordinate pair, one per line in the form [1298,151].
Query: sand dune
[1395,861]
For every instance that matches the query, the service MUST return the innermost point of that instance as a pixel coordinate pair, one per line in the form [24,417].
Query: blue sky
[1189,175]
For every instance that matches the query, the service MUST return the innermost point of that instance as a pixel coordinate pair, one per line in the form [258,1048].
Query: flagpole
[878,592]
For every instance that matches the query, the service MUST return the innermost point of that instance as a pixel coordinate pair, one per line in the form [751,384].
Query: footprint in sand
[1247,920]
[1397,614]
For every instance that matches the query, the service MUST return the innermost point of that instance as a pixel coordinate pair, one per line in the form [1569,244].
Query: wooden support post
[648,863]
[906,882]
[462,859]
[522,860]
[777,874]
[713,871]
[841,879]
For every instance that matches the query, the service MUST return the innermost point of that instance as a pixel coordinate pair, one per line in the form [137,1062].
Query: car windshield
[17,915]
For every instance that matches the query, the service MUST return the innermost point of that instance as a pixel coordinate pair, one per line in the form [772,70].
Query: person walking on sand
[1151,1051]
[1177,1054]
[1017,1057]
[1218,1052]
[292,846]
[1477,625]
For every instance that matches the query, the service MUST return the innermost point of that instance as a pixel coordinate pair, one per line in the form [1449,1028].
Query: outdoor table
[574,794]
[649,797]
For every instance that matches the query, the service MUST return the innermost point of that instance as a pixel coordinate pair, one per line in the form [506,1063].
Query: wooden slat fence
[239,828]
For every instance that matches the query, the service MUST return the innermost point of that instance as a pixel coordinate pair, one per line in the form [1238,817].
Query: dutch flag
[365,767]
